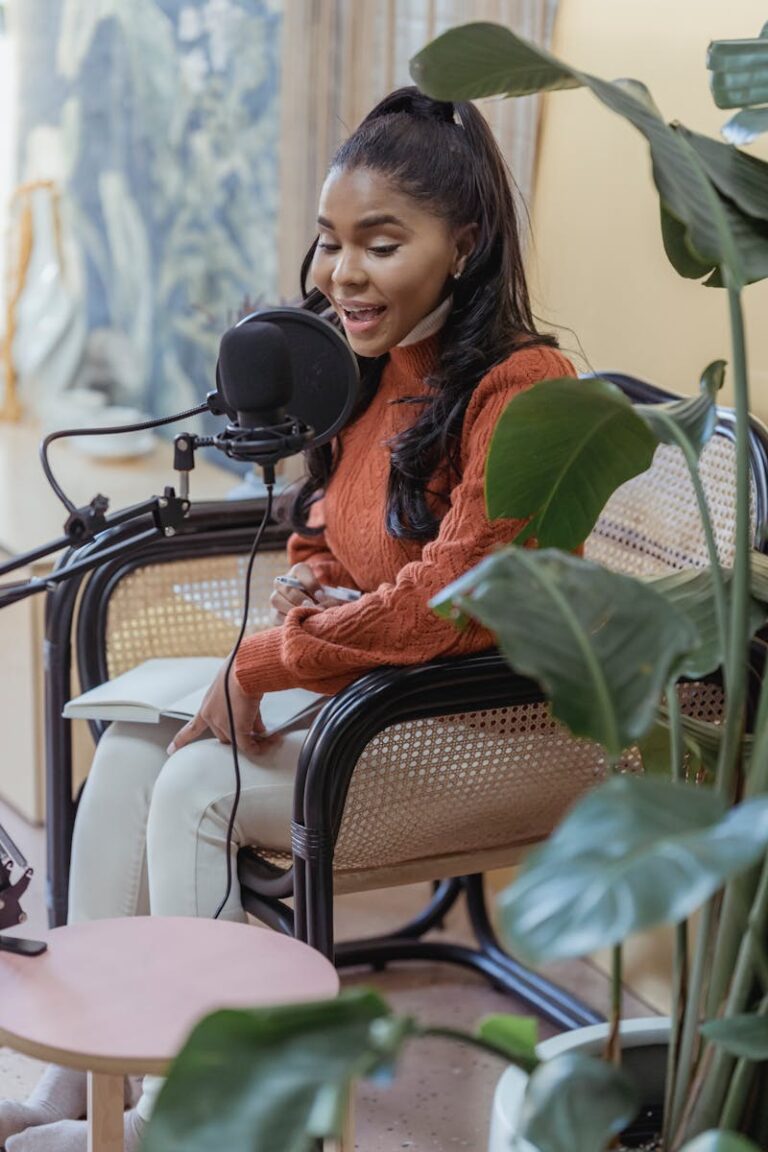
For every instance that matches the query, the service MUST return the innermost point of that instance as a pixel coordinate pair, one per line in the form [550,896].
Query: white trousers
[151,831]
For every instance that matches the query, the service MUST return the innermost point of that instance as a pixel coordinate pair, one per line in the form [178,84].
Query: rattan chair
[439,772]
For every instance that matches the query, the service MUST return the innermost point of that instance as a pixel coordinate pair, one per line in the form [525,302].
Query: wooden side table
[118,997]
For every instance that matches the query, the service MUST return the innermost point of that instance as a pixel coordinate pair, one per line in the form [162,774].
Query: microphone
[255,372]
[287,380]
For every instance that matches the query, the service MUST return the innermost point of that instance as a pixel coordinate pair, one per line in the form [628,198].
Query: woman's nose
[348,269]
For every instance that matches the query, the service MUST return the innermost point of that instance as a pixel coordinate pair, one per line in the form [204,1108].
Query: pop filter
[250,379]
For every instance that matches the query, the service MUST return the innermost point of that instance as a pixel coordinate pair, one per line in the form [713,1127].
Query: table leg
[106,1101]
[347,1141]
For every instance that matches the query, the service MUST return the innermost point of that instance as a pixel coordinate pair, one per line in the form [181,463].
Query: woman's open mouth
[359,319]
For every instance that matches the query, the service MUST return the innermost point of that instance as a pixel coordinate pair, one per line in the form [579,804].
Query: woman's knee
[192,781]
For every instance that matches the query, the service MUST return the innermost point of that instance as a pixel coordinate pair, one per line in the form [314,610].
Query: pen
[343,595]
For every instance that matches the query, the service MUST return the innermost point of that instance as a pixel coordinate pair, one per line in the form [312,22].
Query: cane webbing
[651,524]
[480,780]
[187,608]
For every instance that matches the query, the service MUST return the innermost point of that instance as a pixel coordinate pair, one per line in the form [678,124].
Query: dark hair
[461,175]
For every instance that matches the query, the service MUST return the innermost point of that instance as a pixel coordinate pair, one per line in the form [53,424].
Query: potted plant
[637,851]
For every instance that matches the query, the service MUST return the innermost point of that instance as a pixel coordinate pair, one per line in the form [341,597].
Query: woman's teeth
[363,313]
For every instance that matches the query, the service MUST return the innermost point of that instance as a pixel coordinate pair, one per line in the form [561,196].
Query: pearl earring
[457,275]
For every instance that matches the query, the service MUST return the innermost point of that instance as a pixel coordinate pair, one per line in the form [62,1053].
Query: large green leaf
[274,1078]
[558,452]
[576,1103]
[745,1035]
[636,852]
[677,245]
[602,645]
[720,1141]
[690,592]
[739,71]
[468,62]
[738,176]
[483,59]
[694,417]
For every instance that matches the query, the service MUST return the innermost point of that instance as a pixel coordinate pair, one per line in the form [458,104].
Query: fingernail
[170,749]
[307,603]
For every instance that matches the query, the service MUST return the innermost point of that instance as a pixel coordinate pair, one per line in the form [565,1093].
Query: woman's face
[383,260]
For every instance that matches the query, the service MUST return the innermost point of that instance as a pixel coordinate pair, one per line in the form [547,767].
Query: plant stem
[690,1021]
[680,955]
[613,1042]
[737,651]
[718,584]
[741,1080]
[679,993]
[715,1086]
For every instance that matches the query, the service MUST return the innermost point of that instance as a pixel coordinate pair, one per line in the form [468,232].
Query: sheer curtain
[341,56]
[7,121]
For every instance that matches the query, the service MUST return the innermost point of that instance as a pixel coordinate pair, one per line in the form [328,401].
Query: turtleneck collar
[429,325]
[417,354]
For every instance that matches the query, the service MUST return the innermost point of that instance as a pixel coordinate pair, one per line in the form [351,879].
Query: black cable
[230,714]
[66,433]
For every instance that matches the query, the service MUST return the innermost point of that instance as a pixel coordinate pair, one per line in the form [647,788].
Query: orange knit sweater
[391,623]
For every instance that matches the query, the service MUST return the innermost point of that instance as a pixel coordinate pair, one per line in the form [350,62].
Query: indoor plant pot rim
[641,1032]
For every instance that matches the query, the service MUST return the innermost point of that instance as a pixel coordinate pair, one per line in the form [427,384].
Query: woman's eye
[327,246]
[384,249]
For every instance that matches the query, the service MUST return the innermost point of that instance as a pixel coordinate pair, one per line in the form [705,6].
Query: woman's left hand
[246,711]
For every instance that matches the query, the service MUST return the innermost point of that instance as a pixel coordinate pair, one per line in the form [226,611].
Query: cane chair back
[186,608]
[650,525]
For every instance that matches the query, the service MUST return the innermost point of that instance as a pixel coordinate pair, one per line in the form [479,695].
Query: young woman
[418,255]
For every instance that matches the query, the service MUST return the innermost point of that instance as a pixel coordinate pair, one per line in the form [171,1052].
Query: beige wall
[599,266]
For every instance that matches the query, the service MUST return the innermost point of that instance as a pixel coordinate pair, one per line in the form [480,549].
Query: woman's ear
[465,240]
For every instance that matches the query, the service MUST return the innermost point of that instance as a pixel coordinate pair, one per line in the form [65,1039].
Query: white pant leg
[189,814]
[108,863]
[151,830]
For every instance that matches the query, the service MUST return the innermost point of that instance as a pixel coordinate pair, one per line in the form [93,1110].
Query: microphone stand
[164,516]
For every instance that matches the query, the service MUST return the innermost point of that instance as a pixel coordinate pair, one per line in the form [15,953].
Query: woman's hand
[310,594]
[249,727]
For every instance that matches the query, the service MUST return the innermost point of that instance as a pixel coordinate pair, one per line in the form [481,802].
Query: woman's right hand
[284,597]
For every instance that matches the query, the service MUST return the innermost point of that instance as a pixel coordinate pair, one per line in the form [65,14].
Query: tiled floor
[441,1097]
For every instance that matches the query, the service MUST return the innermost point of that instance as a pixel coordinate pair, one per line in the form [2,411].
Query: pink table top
[124,994]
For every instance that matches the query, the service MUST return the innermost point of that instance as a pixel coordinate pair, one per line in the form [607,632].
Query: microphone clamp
[264,446]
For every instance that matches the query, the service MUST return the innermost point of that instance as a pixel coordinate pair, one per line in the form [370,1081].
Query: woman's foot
[72,1136]
[60,1094]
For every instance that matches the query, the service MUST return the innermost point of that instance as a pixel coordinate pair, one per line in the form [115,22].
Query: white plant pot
[644,1045]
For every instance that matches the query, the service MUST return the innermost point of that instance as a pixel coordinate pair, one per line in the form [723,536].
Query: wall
[599,266]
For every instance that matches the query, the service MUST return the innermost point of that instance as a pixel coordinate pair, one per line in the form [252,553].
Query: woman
[418,255]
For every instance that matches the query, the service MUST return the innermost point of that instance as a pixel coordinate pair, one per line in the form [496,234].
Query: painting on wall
[158,121]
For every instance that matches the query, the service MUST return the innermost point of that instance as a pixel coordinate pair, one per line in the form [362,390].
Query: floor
[441,1097]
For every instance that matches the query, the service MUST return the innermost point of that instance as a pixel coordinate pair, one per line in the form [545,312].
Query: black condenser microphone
[287,380]
[256,377]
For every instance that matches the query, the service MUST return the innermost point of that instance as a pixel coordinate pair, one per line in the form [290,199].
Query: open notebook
[175,687]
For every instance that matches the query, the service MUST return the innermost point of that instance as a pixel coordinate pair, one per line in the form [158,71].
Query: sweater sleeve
[326,650]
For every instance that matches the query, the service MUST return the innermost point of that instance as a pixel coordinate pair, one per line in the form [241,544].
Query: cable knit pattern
[392,623]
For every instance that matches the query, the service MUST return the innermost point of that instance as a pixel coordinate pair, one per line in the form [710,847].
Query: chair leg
[489,959]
